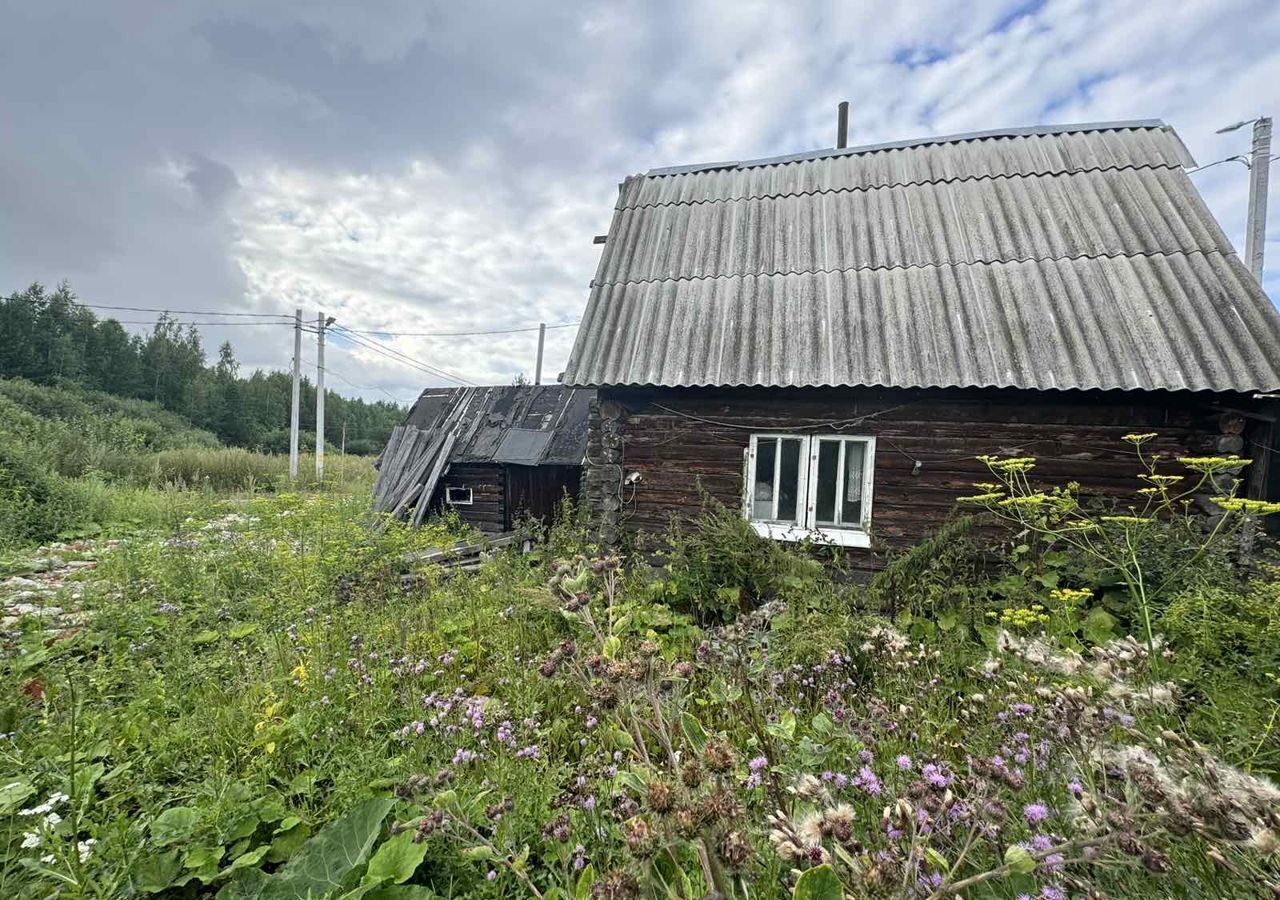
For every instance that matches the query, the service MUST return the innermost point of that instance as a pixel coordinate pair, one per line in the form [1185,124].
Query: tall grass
[228,469]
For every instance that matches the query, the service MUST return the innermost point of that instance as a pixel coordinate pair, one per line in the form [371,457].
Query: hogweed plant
[1119,539]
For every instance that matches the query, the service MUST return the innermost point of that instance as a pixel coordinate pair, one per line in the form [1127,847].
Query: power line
[329,370]
[181,322]
[460,333]
[402,358]
[193,312]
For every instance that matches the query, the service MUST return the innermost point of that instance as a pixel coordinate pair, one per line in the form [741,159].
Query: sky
[442,167]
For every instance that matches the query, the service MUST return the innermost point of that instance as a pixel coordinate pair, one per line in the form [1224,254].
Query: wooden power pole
[297,394]
[321,324]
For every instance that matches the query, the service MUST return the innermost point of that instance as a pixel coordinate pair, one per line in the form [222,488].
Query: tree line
[49,338]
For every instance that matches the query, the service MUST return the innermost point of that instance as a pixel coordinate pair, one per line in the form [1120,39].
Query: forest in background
[48,337]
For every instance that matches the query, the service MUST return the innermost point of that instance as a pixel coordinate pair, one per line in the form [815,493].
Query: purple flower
[1076,788]
[1035,813]
[934,774]
[758,763]
[865,756]
[491,875]
[867,780]
[1052,892]
[530,752]
[1041,842]
[904,762]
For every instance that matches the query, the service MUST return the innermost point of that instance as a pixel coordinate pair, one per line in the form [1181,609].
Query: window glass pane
[762,490]
[789,480]
[851,495]
[828,463]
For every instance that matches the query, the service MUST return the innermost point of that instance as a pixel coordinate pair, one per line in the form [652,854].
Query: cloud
[436,167]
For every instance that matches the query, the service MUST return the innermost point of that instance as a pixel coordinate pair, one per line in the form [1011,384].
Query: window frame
[807,528]
[448,499]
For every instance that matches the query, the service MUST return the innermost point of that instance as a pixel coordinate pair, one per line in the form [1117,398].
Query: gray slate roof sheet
[520,424]
[1080,257]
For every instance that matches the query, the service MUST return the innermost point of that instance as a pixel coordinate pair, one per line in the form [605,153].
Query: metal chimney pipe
[842,125]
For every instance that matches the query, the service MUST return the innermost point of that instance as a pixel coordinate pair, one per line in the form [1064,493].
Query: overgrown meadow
[272,699]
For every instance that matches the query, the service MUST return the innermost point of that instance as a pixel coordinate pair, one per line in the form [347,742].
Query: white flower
[48,859]
[85,848]
[52,819]
[31,839]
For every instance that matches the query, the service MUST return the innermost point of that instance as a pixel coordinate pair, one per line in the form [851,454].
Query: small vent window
[457,496]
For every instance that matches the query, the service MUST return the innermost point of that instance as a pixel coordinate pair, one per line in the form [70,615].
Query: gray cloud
[440,166]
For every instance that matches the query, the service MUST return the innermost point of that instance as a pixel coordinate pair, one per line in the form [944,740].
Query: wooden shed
[828,340]
[492,454]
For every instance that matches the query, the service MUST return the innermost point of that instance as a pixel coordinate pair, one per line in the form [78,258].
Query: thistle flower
[659,796]
[719,756]
[616,885]
[1035,813]
[735,850]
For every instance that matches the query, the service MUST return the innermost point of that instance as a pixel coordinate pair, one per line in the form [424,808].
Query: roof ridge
[959,179]
[828,152]
[954,264]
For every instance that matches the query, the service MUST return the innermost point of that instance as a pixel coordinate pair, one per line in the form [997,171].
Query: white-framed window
[457,496]
[810,486]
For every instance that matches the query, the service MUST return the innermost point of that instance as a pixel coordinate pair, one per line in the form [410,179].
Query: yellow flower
[1247,507]
[980,498]
[300,673]
[1139,439]
[1036,499]
[1162,480]
[1127,520]
[1209,465]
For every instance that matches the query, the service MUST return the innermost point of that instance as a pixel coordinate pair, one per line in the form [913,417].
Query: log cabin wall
[677,437]
[488,509]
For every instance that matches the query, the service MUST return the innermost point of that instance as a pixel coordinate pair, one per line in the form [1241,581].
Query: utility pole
[342,459]
[1259,163]
[297,394]
[1255,235]
[542,337]
[321,324]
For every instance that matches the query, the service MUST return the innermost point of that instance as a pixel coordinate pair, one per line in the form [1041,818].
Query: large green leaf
[174,824]
[819,883]
[321,866]
[325,860]
[154,872]
[397,859]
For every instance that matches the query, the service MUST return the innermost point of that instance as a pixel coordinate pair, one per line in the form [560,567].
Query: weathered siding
[488,510]
[701,434]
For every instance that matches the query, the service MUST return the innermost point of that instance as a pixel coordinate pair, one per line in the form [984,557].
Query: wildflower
[48,859]
[904,762]
[1035,813]
[719,756]
[1210,465]
[491,875]
[31,839]
[1247,507]
[935,776]
[867,780]
[85,849]
[734,850]
[659,796]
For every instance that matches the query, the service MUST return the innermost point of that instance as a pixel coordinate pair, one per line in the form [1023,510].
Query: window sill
[841,537]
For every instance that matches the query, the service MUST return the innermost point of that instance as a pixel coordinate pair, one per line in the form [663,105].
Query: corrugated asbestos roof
[1074,257]
[519,424]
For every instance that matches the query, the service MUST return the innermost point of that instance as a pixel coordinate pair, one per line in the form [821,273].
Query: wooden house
[492,454]
[829,340]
